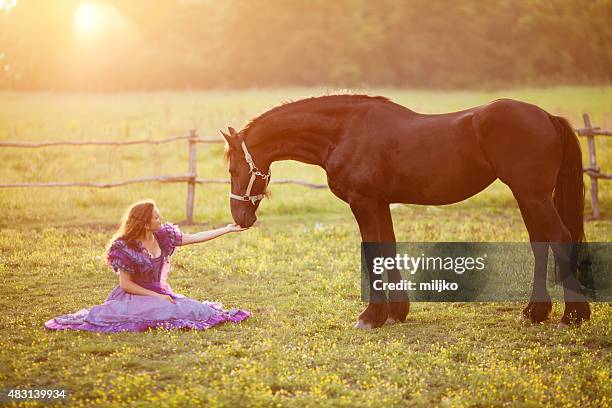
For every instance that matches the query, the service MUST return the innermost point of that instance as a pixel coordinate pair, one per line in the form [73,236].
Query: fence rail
[161,179]
[593,171]
[98,143]
[190,178]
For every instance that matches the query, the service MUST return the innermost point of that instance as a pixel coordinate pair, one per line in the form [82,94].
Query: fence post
[192,175]
[592,165]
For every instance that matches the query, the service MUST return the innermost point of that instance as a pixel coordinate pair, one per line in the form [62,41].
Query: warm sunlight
[100,22]
[6,5]
[88,18]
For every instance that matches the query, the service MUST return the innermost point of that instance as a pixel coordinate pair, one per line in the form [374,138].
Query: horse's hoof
[391,321]
[576,313]
[373,316]
[398,312]
[562,326]
[538,312]
[362,325]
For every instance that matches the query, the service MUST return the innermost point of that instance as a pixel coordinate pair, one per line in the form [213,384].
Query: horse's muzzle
[246,220]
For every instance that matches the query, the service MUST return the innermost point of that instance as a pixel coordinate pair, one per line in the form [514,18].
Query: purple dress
[122,311]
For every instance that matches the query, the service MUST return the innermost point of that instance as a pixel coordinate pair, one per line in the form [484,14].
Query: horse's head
[248,181]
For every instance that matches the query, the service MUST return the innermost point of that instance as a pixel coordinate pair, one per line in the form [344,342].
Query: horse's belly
[441,184]
[440,192]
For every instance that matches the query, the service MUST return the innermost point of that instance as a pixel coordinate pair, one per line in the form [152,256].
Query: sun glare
[88,18]
[6,5]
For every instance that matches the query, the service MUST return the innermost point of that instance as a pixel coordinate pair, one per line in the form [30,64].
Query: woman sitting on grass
[140,254]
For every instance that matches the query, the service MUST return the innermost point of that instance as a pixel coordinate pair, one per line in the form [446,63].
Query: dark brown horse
[376,152]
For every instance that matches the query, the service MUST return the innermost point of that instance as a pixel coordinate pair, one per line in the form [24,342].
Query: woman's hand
[168,298]
[234,228]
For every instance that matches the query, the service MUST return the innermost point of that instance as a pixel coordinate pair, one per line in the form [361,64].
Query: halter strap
[254,173]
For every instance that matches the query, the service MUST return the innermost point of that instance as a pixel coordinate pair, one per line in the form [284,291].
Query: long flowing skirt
[122,311]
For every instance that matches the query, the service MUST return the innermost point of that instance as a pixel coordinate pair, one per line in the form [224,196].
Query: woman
[139,253]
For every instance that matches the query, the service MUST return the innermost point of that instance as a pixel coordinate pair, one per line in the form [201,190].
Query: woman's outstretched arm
[208,235]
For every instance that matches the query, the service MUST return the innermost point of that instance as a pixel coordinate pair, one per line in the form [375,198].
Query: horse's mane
[302,102]
[312,99]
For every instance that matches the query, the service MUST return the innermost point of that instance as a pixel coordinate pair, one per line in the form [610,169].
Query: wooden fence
[593,170]
[192,179]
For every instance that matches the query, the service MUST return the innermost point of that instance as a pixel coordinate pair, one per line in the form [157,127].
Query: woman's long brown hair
[134,221]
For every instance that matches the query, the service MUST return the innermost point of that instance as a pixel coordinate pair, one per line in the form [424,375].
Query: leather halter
[254,173]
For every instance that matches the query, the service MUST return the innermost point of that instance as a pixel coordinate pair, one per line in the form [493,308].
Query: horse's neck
[310,148]
[307,138]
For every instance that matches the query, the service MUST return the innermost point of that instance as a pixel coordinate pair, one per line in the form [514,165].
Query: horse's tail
[568,195]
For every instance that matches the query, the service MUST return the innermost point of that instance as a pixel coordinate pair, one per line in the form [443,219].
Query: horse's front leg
[376,227]
[398,299]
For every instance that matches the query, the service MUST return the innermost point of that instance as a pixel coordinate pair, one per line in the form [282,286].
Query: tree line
[191,44]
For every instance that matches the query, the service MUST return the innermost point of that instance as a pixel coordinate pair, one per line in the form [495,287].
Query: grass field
[297,270]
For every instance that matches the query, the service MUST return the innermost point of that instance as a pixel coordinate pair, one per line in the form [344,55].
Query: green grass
[297,270]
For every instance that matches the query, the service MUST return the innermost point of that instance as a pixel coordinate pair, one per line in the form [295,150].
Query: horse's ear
[232,131]
[227,137]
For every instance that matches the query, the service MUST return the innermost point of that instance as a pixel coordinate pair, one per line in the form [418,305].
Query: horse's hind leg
[539,307]
[545,226]
[532,152]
